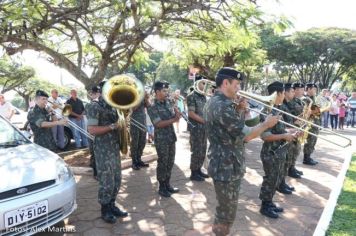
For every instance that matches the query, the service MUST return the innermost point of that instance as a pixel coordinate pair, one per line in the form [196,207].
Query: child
[342,115]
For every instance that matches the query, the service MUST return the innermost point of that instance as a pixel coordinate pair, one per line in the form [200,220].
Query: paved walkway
[191,211]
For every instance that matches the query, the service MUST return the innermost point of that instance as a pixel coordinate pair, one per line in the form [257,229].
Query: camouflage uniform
[138,137]
[225,129]
[309,146]
[198,136]
[273,156]
[106,151]
[289,158]
[296,108]
[91,145]
[42,136]
[164,138]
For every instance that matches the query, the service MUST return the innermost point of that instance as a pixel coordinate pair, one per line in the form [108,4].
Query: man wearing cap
[138,136]
[273,155]
[227,134]
[94,94]
[296,107]
[102,123]
[163,115]
[41,122]
[309,146]
[198,137]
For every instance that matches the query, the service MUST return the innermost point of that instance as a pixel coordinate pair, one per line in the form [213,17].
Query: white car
[37,188]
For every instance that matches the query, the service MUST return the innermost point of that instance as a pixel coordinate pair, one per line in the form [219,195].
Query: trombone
[66,110]
[268,102]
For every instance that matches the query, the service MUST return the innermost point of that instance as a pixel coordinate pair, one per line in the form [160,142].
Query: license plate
[24,214]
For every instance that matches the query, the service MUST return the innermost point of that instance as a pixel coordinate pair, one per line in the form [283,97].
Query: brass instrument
[66,111]
[123,92]
[268,101]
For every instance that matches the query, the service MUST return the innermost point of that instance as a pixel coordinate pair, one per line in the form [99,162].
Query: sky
[304,14]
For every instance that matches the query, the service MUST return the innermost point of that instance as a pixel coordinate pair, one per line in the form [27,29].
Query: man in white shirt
[56,104]
[6,109]
[351,102]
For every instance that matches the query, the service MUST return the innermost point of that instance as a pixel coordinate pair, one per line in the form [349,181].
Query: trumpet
[269,101]
[66,111]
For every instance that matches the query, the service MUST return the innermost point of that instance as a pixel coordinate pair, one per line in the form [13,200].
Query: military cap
[275,86]
[311,85]
[297,85]
[41,93]
[160,85]
[227,72]
[198,77]
[288,86]
[95,89]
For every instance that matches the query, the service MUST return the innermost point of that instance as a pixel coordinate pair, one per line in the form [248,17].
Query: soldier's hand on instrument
[271,120]
[63,122]
[289,137]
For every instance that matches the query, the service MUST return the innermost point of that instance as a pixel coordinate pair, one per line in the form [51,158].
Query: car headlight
[63,172]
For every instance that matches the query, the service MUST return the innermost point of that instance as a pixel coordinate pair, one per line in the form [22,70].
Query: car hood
[25,165]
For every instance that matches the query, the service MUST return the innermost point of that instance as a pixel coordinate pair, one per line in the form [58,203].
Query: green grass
[343,222]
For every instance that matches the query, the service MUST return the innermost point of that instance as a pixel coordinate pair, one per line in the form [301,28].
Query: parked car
[37,188]
[19,119]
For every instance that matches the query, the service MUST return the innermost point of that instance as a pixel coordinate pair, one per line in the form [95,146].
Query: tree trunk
[27,101]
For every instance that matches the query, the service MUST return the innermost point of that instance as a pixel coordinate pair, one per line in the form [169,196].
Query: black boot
[116,211]
[135,166]
[221,229]
[309,161]
[170,188]
[163,190]
[195,176]
[142,164]
[106,214]
[292,172]
[299,171]
[276,208]
[282,188]
[202,174]
[268,210]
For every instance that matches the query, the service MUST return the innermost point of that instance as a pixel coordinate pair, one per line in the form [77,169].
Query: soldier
[227,133]
[163,115]
[273,156]
[138,136]
[198,137]
[41,121]
[296,108]
[309,146]
[102,123]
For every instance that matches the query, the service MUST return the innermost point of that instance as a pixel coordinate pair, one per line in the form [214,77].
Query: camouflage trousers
[198,145]
[166,154]
[273,166]
[227,195]
[309,146]
[92,156]
[294,149]
[137,143]
[108,165]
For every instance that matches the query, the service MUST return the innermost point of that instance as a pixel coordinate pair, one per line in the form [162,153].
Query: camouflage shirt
[99,113]
[279,128]
[295,107]
[42,136]
[225,128]
[139,113]
[162,110]
[314,118]
[196,103]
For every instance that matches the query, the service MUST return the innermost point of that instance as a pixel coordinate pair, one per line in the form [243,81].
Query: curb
[125,164]
[326,216]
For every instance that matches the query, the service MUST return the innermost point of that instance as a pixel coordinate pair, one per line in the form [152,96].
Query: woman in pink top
[342,114]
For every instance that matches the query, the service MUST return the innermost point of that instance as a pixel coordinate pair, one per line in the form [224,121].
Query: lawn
[344,219]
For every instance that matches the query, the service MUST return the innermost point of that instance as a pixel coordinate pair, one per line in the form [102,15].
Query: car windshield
[9,136]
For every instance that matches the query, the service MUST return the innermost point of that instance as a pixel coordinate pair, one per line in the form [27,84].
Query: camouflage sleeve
[93,112]
[153,114]
[268,131]
[35,118]
[286,118]
[191,103]
[231,120]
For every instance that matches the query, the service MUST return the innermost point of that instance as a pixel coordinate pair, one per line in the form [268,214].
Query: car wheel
[67,138]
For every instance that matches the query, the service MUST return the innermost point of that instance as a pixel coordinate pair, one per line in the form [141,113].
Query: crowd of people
[218,130]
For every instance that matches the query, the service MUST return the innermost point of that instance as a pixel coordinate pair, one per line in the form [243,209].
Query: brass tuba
[123,92]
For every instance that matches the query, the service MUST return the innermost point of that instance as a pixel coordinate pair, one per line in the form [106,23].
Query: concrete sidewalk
[191,211]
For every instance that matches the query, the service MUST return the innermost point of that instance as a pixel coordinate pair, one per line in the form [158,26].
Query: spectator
[325,115]
[6,109]
[77,117]
[351,103]
[179,103]
[150,129]
[56,104]
[342,115]
[334,111]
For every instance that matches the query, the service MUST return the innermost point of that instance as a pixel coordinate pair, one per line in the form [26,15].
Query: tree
[77,35]
[13,74]
[318,55]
